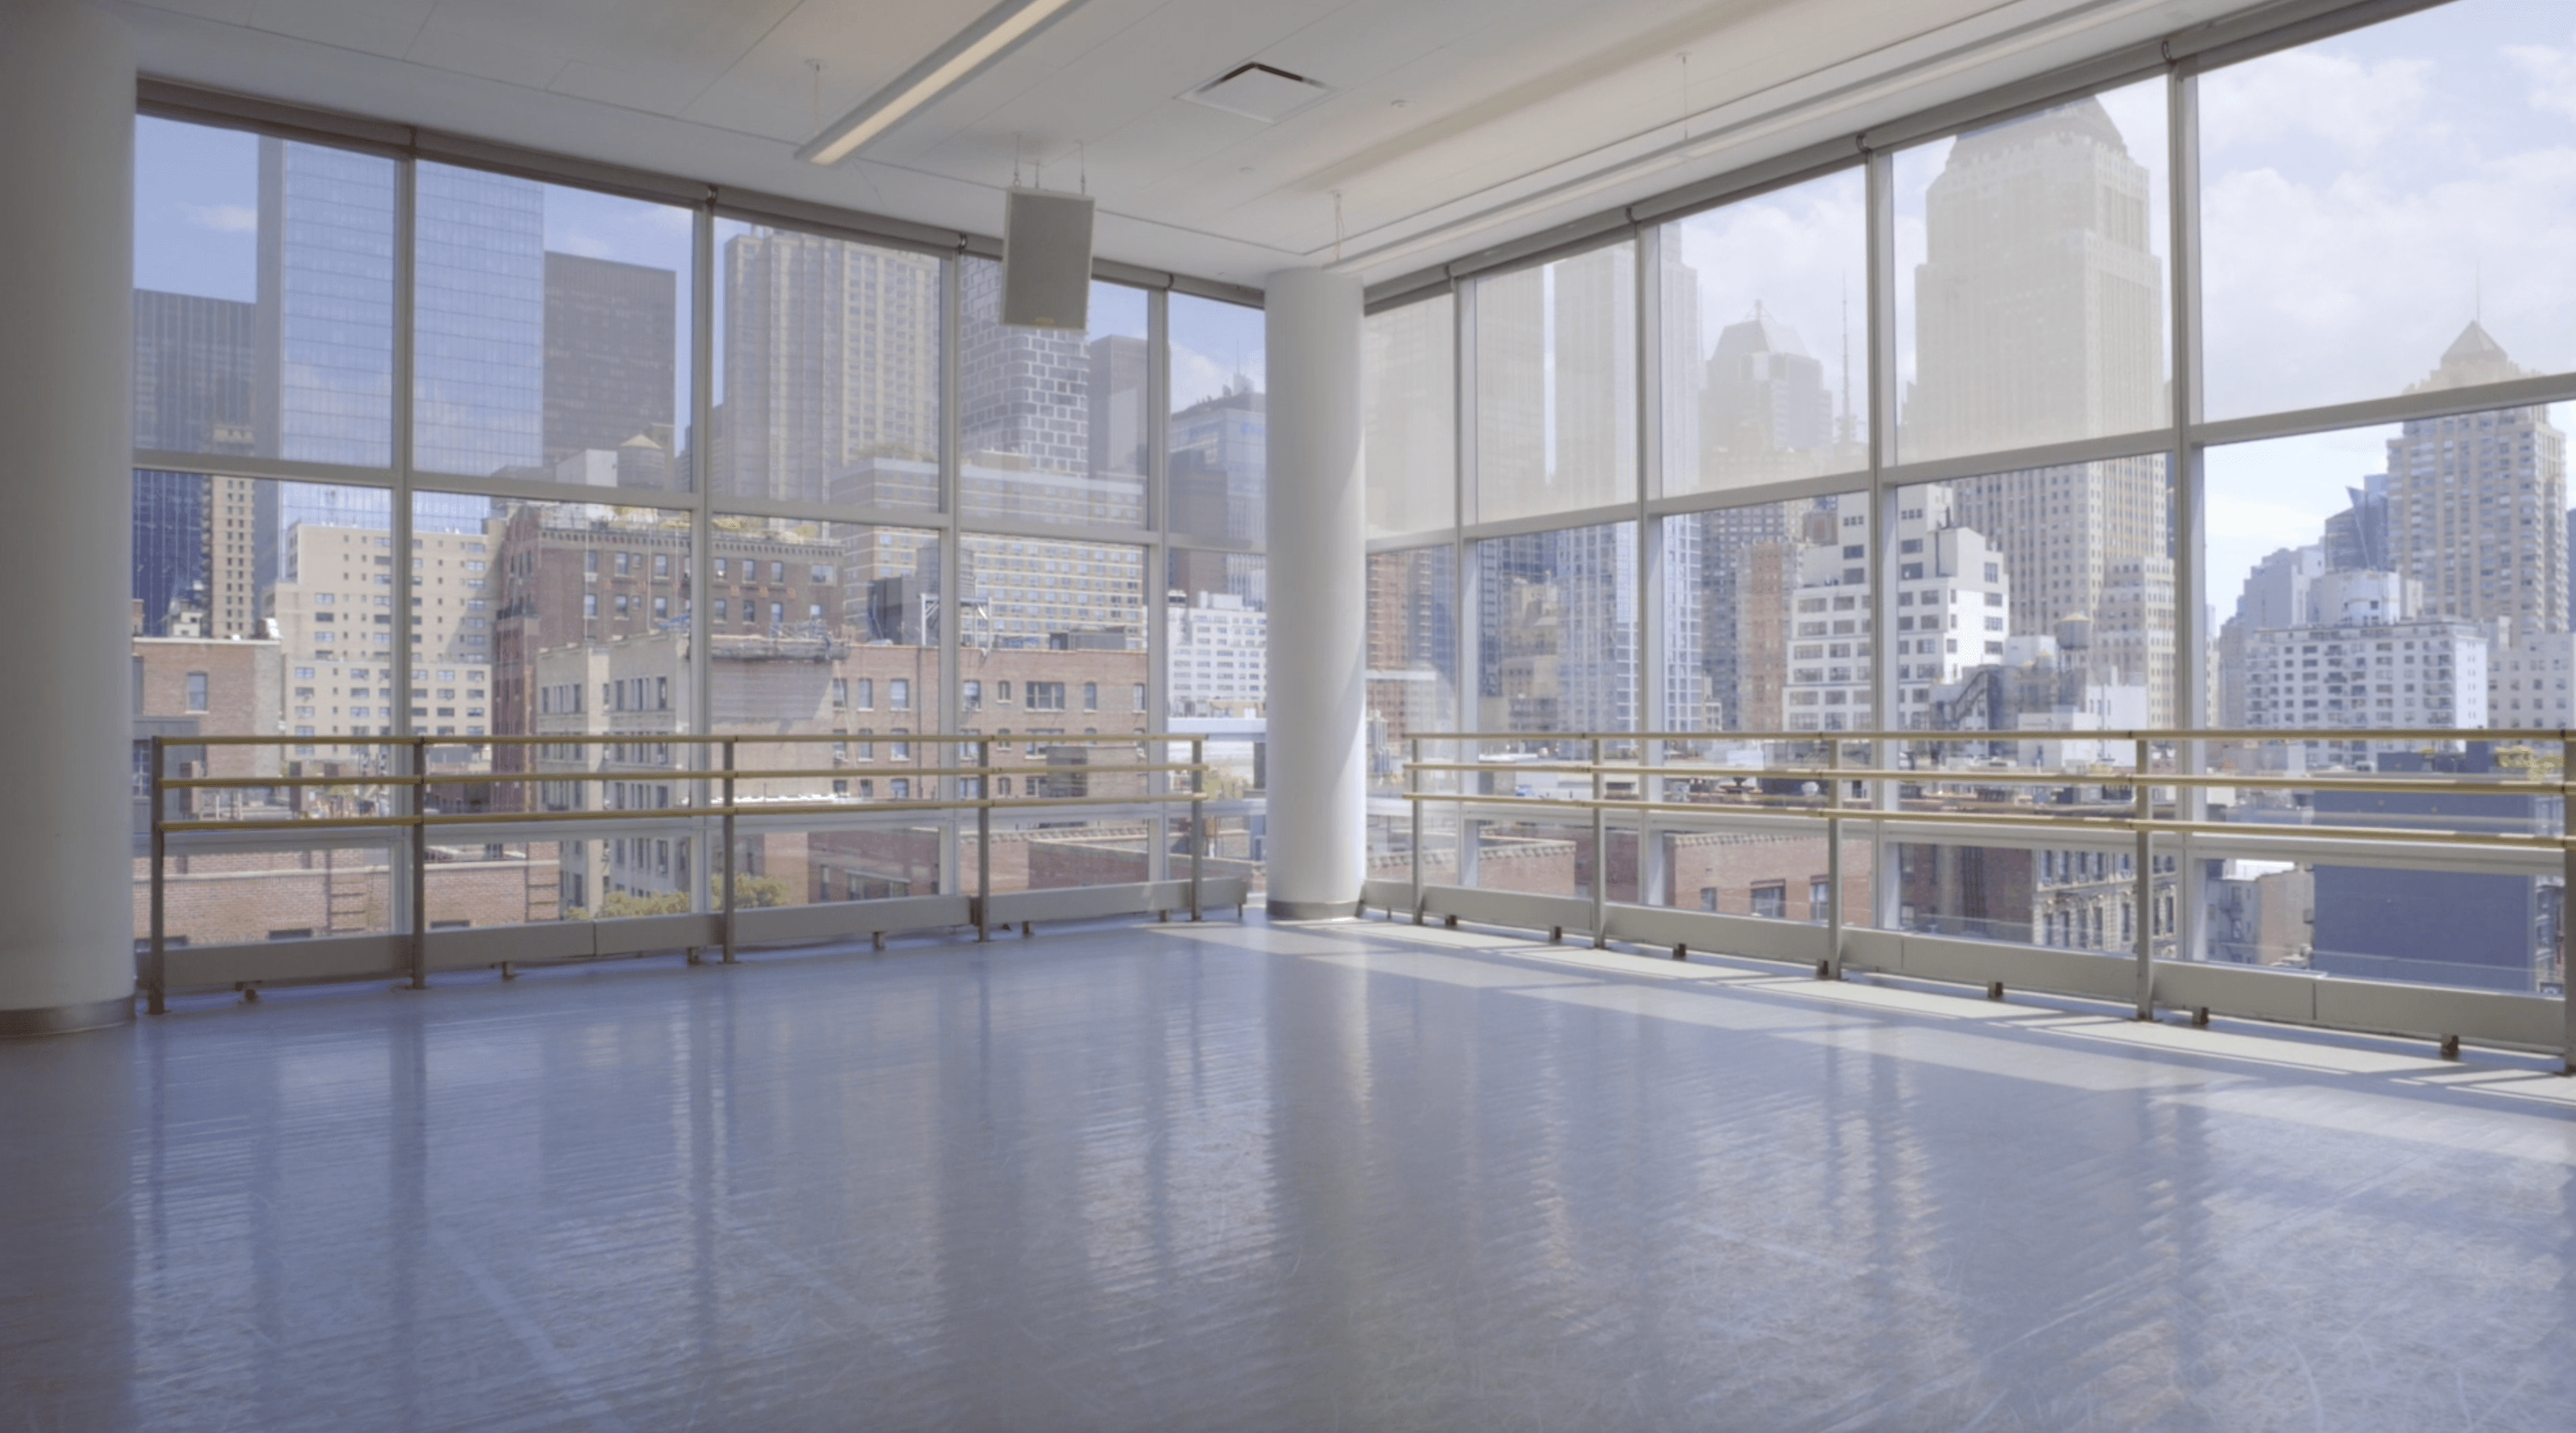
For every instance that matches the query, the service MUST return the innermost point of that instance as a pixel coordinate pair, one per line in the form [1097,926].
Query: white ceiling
[1454,124]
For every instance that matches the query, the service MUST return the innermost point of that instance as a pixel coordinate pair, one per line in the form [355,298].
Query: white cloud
[2552,73]
[2323,288]
[223,218]
[1196,376]
[581,245]
[2314,94]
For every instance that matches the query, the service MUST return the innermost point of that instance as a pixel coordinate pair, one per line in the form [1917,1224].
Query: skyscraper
[1117,403]
[479,315]
[325,361]
[170,562]
[610,336]
[195,391]
[2476,502]
[2039,311]
[1026,391]
[1763,402]
[2039,317]
[2357,538]
[1218,455]
[1730,650]
[326,305]
[830,356]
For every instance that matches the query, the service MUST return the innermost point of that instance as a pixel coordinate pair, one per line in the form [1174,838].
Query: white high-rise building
[2363,659]
[1218,649]
[1952,597]
[334,615]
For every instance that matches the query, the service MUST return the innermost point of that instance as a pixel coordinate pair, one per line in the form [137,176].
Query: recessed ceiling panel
[1256,91]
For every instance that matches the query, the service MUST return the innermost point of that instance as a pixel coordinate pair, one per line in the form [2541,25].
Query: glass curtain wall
[656,473]
[2062,462]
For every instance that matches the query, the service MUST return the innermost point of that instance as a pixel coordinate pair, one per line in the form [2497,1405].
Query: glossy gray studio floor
[1352,1176]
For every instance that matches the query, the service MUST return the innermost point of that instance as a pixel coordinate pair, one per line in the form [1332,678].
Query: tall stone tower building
[2040,307]
[2477,502]
[831,356]
[2040,319]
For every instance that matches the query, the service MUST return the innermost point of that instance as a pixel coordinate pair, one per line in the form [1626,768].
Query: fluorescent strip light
[973,48]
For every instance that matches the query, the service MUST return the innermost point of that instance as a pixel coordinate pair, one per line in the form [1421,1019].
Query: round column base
[64,1019]
[1285,910]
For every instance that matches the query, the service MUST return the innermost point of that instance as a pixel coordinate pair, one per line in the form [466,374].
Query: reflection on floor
[1354,1175]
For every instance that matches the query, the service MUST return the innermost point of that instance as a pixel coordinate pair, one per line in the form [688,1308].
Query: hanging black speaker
[1046,260]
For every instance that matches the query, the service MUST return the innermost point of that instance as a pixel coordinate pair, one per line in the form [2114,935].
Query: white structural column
[1318,835]
[66,335]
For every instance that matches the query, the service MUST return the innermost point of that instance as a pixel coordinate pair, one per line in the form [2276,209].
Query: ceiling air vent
[1258,92]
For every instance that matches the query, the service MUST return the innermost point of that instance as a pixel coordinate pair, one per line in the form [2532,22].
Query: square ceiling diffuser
[1258,92]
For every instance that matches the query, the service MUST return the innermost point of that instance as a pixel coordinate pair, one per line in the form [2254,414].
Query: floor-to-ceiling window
[433,453]
[2153,394]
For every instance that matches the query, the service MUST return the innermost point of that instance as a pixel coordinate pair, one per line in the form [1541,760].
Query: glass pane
[2031,278]
[827,370]
[263,304]
[1052,595]
[826,640]
[2048,597]
[2382,212]
[1764,329]
[1409,434]
[1062,854]
[1769,616]
[1054,422]
[1219,449]
[1216,679]
[2420,927]
[595,643]
[1053,648]
[2065,899]
[204,665]
[1776,877]
[1412,689]
[580,622]
[2409,575]
[1412,655]
[550,333]
[1556,631]
[198,543]
[1556,385]
[240,897]
[1217,636]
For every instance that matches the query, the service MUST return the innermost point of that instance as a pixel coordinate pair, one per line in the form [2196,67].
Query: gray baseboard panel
[64,1019]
